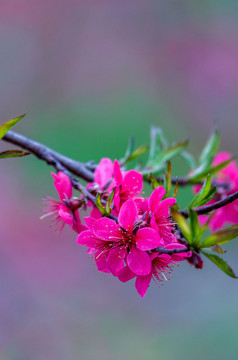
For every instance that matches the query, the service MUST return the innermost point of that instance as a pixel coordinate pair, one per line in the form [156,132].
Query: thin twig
[163,250]
[41,151]
[217,205]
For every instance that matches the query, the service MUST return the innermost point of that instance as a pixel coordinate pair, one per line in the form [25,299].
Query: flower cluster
[134,236]
[126,244]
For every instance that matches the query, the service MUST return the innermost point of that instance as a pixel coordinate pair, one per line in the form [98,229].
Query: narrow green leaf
[183,225]
[189,158]
[211,147]
[154,182]
[109,202]
[130,147]
[4,128]
[175,193]
[138,152]
[172,151]
[194,225]
[204,191]
[203,171]
[13,153]
[157,142]
[198,173]
[167,183]
[99,205]
[218,249]
[209,196]
[220,237]
[204,227]
[221,264]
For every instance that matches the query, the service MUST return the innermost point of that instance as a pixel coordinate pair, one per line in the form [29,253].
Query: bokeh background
[90,74]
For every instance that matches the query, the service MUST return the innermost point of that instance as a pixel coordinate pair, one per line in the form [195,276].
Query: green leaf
[183,225]
[204,227]
[109,202]
[218,249]
[194,225]
[209,196]
[220,237]
[172,151]
[167,179]
[13,153]
[99,205]
[211,147]
[175,193]
[136,153]
[203,171]
[4,128]
[204,191]
[221,264]
[130,147]
[154,182]
[157,142]
[189,158]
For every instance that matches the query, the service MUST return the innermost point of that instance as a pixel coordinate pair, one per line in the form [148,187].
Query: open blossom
[228,213]
[162,265]
[64,211]
[114,243]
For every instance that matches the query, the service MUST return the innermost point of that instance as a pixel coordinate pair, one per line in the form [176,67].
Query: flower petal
[139,261]
[115,259]
[147,239]
[132,183]
[87,238]
[89,221]
[63,185]
[103,172]
[65,214]
[107,230]
[156,197]
[163,209]
[101,262]
[128,215]
[142,284]
[117,172]
[125,274]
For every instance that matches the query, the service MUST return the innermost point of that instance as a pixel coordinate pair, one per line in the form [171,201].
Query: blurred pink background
[90,74]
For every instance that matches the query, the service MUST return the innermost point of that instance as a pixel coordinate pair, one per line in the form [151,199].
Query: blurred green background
[90,74]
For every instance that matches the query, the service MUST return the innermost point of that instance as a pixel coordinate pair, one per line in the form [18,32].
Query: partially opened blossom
[108,176]
[229,176]
[65,210]
[114,243]
[162,265]
[103,175]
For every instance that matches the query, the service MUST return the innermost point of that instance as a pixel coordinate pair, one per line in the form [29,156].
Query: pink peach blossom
[114,243]
[64,211]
